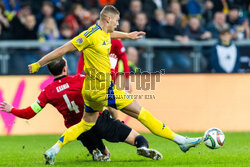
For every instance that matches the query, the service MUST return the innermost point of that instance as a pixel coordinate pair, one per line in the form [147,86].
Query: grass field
[27,151]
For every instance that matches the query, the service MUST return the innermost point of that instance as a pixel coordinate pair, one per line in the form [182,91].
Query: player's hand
[136,34]
[113,60]
[5,107]
[33,68]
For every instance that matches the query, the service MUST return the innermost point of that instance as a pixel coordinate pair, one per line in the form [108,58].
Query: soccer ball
[214,138]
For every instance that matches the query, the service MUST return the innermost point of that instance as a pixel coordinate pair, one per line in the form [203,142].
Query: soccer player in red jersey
[65,95]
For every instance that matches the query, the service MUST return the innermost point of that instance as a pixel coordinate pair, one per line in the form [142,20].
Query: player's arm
[25,113]
[121,51]
[80,64]
[59,52]
[124,35]
[80,42]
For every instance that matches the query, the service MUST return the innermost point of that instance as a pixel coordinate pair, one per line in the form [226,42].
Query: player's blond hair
[107,10]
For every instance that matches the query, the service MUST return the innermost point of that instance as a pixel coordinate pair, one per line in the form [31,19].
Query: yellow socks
[74,131]
[154,125]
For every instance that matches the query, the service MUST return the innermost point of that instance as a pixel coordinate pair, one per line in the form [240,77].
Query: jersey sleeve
[125,65]
[121,51]
[25,113]
[120,48]
[42,99]
[80,41]
[80,64]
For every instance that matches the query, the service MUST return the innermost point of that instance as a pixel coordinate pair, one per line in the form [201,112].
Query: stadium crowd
[180,20]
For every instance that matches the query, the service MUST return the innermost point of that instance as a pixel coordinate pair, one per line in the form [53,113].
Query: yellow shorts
[104,96]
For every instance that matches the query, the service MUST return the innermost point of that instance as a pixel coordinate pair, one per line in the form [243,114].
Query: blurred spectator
[208,14]
[171,59]
[171,32]
[66,32]
[150,6]
[135,7]
[239,26]
[86,21]
[18,22]
[224,55]
[11,8]
[233,18]
[5,25]
[48,30]
[73,19]
[125,26]
[3,20]
[160,17]
[123,7]
[245,26]
[193,8]
[3,35]
[217,24]
[133,57]
[46,11]
[157,23]
[221,6]
[141,24]
[194,30]
[181,19]
[30,30]
[94,14]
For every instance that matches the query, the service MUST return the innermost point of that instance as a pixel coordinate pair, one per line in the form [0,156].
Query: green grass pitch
[28,151]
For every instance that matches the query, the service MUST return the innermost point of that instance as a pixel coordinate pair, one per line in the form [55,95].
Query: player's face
[114,22]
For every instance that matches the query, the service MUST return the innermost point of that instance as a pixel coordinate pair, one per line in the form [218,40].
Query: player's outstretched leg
[70,135]
[158,128]
[115,131]
[95,146]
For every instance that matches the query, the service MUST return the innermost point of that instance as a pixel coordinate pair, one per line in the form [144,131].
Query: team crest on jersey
[79,40]
[105,42]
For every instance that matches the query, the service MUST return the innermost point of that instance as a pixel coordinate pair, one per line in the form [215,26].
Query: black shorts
[105,128]
[109,129]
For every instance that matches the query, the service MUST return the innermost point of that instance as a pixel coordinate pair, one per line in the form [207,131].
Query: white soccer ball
[214,138]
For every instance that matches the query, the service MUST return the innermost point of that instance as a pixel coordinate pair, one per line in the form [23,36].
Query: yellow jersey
[96,45]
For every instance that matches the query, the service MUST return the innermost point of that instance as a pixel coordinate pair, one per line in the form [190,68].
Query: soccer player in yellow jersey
[98,89]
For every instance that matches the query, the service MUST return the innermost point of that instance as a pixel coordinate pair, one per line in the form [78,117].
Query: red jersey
[118,49]
[65,95]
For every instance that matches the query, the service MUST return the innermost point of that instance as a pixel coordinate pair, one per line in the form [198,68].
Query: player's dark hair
[56,66]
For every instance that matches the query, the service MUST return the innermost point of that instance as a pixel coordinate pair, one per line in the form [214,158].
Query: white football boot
[50,156]
[149,153]
[190,142]
[98,156]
